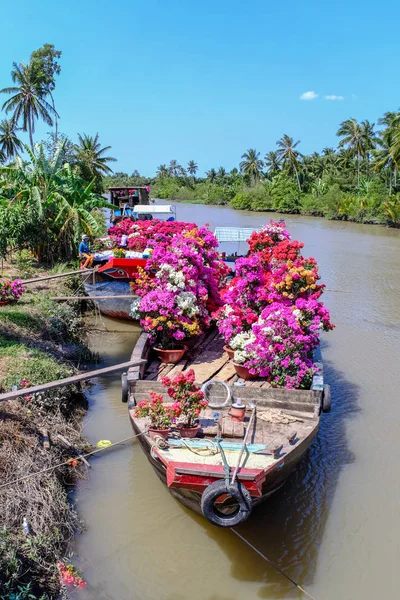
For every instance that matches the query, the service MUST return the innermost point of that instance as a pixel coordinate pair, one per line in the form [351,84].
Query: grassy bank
[40,341]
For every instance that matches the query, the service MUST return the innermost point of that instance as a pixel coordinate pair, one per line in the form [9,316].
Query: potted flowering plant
[161,416]
[243,353]
[119,253]
[188,399]
[10,291]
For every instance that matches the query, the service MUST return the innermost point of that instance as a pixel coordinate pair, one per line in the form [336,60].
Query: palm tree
[28,102]
[9,142]
[252,165]
[162,171]
[174,168]
[192,169]
[272,162]
[289,155]
[370,140]
[211,175]
[352,137]
[389,155]
[91,160]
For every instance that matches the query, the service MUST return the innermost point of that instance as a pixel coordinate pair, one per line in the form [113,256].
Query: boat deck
[287,420]
[208,360]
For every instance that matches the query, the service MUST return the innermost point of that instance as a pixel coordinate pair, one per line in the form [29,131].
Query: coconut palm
[370,140]
[28,102]
[272,162]
[289,155]
[252,165]
[352,136]
[162,171]
[192,168]
[91,160]
[211,175]
[9,142]
[174,168]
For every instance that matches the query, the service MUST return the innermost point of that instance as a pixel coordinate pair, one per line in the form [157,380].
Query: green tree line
[358,180]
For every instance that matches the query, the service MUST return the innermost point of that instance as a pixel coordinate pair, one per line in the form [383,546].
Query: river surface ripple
[334,526]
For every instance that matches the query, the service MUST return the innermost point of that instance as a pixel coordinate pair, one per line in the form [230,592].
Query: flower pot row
[186,432]
[240,369]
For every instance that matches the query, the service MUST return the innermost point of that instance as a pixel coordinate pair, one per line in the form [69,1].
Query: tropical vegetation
[356,181]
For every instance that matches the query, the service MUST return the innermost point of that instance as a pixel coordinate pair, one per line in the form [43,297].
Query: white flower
[186,302]
[134,312]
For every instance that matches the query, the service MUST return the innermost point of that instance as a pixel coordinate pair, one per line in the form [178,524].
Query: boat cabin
[125,198]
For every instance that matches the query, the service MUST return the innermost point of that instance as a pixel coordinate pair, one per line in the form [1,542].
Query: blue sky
[163,79]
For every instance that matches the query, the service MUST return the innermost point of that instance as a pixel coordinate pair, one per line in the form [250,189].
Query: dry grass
[41,499]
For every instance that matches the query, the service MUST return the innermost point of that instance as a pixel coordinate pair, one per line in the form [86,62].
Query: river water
[334,527]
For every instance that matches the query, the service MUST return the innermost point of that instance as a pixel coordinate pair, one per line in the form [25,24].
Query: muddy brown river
[334,527]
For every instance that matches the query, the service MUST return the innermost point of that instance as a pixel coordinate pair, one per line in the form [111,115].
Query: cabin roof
[127,187]
[147,209]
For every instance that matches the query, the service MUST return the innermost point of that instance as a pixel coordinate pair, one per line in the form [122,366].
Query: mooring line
[68,462]
[273,564]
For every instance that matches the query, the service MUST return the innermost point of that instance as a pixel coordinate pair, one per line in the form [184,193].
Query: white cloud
[308,96]
[334,97]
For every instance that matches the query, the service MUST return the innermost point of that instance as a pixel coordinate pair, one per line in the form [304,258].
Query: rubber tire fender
[238,491]
[326,399]
[124,387]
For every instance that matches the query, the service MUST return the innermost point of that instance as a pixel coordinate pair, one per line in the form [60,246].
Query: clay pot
[243,372]
[4,302]
[229,351]
[189,432]
[164,433]
[171,356]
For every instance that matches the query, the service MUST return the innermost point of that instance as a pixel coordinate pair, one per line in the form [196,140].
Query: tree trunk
[395,176]
[30,130]
[297,177]
[55,119]
[358,169]
[390,181]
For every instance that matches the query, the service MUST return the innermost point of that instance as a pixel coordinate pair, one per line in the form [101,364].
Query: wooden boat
[112,279]
[113,275]
[279,428]
[124,199]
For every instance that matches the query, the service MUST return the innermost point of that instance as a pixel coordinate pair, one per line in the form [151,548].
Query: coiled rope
[273,565]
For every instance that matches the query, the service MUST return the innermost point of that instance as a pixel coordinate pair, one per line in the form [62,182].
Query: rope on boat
[273,565]
[211,449]
[68,462]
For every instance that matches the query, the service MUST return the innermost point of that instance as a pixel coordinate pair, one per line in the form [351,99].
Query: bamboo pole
[47,277]
[70,380]
[61,298]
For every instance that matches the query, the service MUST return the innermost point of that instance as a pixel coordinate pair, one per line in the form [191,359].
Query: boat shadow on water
[289,527]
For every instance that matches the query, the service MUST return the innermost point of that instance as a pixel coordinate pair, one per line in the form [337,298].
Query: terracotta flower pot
[229,351]
[170,356]
[4,302]
[164,433]
[243,372]
[189,432]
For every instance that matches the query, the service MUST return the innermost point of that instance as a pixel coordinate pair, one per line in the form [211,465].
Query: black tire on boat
[124,387]
[237,491]
[326,399]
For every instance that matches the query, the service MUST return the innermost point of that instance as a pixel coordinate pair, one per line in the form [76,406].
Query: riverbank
[40,341]
[370,206]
